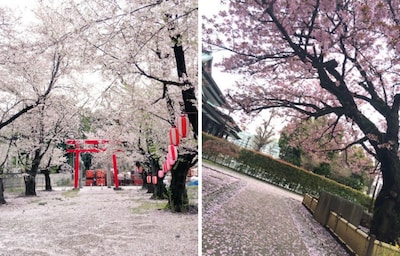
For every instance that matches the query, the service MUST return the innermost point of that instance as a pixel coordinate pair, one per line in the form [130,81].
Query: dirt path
[96,221]
[243,216]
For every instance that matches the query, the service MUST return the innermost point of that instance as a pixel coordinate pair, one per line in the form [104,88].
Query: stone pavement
[244,216]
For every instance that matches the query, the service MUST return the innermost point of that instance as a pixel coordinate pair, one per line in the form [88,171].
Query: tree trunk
[30,185]
[144,180]
[149,186]
[160,191]
[30,179]
[386,218]
[47,180]
[2,199]
[178,200]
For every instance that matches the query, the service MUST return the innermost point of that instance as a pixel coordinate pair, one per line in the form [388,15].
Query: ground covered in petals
[95,221]
[244,216]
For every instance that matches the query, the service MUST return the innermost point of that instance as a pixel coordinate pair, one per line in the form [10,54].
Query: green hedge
[286,175]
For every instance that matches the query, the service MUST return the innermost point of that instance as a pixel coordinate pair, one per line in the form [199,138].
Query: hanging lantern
[183,125]
[174,136]
[168,164]
[160,174]
[155,180]
[173,152]
[170,161]
[148,179]
[165,167]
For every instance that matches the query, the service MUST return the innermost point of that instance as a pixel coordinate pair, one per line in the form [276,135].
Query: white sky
[13,3]
[19,5]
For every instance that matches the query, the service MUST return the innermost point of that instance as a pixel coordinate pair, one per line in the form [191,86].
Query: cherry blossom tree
[142,45]
[39,141]
[264,133]
[318,58]
[29,72]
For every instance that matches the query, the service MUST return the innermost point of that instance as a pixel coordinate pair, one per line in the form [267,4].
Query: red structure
[80,146]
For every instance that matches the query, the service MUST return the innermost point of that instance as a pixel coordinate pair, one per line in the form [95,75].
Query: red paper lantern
[155,180]
[170,161]
[183,125]
[168,164]
[173,152]
[174,136]
[165,166]
[148,179]
[160,174]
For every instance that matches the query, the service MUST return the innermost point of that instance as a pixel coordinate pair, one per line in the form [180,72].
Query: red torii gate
[77,150]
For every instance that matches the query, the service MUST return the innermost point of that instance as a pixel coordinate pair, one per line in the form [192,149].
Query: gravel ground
[95,221]
[244,216]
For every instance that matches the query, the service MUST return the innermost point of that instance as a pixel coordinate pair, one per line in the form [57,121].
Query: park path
[244,216]
[95,221]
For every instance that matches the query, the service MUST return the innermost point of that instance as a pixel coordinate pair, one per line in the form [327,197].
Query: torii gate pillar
[76,176]
[114,158]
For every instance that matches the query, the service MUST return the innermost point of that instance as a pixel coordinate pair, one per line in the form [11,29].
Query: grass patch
[192,192]
[64,182]
[148,206]
[71,193]
[16,190]
[34,201]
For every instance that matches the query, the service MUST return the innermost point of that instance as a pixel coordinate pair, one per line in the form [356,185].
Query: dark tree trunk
[178,199]
[160,190]
[150,186]
[30,185]
[30,179]
[144,180]
[151,172]
[386,218]
[2,199]
[47,180]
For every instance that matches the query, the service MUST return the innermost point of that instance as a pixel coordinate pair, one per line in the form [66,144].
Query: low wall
[356,240]
[310,202]
[16,181]
[328,202]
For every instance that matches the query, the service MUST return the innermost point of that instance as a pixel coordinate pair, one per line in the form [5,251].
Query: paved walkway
[244,216]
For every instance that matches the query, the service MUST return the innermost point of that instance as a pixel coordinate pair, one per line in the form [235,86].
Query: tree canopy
[317,58]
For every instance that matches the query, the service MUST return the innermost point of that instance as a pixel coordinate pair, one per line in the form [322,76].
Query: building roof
[214,101]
